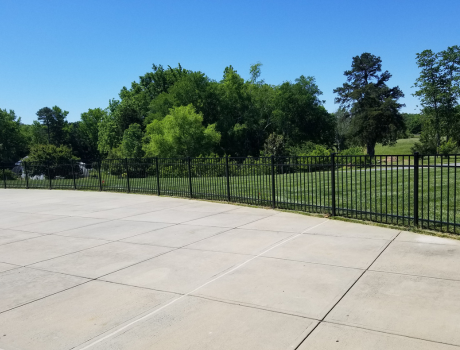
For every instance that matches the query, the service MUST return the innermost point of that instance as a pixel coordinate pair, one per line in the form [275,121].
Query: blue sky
[79,54]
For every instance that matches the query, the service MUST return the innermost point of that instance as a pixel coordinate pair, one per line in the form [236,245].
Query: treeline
[175,112]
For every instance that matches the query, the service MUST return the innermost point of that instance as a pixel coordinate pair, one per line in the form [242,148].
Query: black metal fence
[408,190]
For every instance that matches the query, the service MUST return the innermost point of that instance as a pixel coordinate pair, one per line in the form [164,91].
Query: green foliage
[8,174]
[50,160]
[50,154]
[54,119]
[352,151]
[373,106]
[180,134]
[413,123]
[274,145]
[439,90]
[448,147]
[84,134]
[109,136]
[13,143]
[131,144]
[299,114]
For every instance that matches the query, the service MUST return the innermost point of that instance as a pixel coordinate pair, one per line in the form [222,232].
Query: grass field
[377,194]
[402,147]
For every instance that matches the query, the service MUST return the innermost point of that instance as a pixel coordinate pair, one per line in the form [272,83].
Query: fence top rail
[278,159]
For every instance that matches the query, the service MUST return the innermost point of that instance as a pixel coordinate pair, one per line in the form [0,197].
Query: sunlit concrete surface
[91,270]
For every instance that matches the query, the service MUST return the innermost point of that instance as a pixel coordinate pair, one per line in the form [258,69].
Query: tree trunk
[370,149]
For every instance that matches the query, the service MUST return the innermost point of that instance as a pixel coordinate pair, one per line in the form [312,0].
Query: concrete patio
[90,270]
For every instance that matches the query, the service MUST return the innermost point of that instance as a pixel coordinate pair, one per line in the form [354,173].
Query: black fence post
[4,177]
[49,176]
[26,173]
[190,176]
[127,174]
[273,182]
[333,204]
[99,165]
[158,175]
[73,175]
[227,174]
[416,171]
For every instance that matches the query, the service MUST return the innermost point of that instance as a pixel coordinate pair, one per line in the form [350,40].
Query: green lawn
[377,194]
[402,147]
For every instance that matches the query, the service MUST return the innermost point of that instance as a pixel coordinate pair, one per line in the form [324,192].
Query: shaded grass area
[375,194]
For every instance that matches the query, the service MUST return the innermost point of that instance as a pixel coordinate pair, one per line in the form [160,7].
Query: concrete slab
[14,219]
[199,324]
[6,267]
[421,259]
[347,229]
[59,225]
[101,260]
[418,307]
[241,241]
[297,288]
[23,285]
[226,220]
[43,248]
[253,211]
[419,238]
[114,230]
[9,236]
[337,337]
[178,271]
[66,210]
[172,216]
[339,251]
[206,207]
[285,223]
[176,235]
[67,319]
[246,302]
[118,213]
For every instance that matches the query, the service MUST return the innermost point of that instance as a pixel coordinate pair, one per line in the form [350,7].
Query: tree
[180,134]
[55,121]
[413,122]
[131,144]
[274,146]
[373,106]
[342,130]
[13,142]
[109,134]
[51,161]
[439,90]
[299,113]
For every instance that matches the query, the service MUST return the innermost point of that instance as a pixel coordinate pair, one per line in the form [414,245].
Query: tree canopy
[180,134]
[373,106]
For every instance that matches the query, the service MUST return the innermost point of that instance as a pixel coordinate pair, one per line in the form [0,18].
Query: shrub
[8,174]
[50,160]
[447,147]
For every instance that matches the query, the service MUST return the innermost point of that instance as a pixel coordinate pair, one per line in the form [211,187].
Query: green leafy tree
[13,142]
[342,130]
[109,133]
[180,134]
[54,119]
[413,122]
[439,90]
[88,126]
[35,133]
[275,146]
[299,114]
[373,106]
[51,161]
[131,144]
